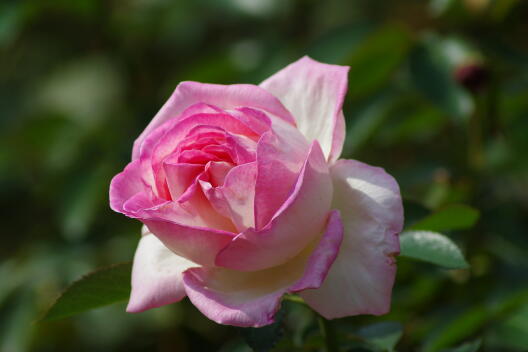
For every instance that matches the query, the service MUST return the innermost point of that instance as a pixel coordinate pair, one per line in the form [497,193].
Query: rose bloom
[244,199]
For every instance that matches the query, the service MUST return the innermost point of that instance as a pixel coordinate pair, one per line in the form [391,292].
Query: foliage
[100,288]
[438,97]
[432,247]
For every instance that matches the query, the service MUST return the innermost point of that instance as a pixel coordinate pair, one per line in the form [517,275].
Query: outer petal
[297,223]
[200,245]
[314,93]
[252,298]
[156,276]
[125,185]
[193,230]
[195,211]
[234,298]
[222,96]
[321,259]
[360,280]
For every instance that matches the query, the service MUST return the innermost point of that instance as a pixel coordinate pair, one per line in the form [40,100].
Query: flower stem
[329,334]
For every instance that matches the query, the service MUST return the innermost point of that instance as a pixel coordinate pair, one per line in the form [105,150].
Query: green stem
[329,334]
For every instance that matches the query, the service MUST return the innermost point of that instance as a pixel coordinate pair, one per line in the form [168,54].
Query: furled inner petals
[217,171]
[197,157]
[192,158]
[180,176]
[235,198]
[171,139]
[220,151]
[242,149]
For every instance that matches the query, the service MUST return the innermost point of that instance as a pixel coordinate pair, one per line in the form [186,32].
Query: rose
[243,200]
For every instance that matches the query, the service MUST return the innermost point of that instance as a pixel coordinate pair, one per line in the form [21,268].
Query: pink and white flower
[244,199]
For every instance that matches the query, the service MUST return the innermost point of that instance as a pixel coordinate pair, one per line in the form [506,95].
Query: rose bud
[473,77]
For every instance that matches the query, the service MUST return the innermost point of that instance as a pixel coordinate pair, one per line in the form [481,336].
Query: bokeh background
[438,96]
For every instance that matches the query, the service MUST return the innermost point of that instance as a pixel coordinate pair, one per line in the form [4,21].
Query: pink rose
[243,200]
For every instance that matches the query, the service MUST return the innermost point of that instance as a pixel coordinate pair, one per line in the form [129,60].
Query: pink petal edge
[223,96]
[302,217]
[251,299]
[314,93]
[360,280]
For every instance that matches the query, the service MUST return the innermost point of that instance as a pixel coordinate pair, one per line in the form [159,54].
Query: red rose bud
[472,76]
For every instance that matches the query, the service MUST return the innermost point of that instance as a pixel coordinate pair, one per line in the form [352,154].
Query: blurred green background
[438,96]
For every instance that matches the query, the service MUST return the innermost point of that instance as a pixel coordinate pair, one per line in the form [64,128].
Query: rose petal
[180,176]
[156,276]
[222,96]
[217,171]
[142,202]
[314,93]
[236,197]
[255,119]
[167,144]
[252,298]
[321,259]
[234,298]
[200,245]
[197,157]
[125,185]
[360,280]
[301,219]
[281,153]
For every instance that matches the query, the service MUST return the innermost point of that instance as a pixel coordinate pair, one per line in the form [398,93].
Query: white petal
[360,280]
[156,275]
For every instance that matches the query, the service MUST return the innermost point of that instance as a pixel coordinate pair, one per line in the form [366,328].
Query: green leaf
[472,346]
[377,58]
[382,336]
[454,217]
[265,338]
[432,247]
[100,288]
[433,77]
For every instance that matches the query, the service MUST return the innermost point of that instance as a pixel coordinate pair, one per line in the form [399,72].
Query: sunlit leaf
[432,247]
[100,288]
[453,217]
